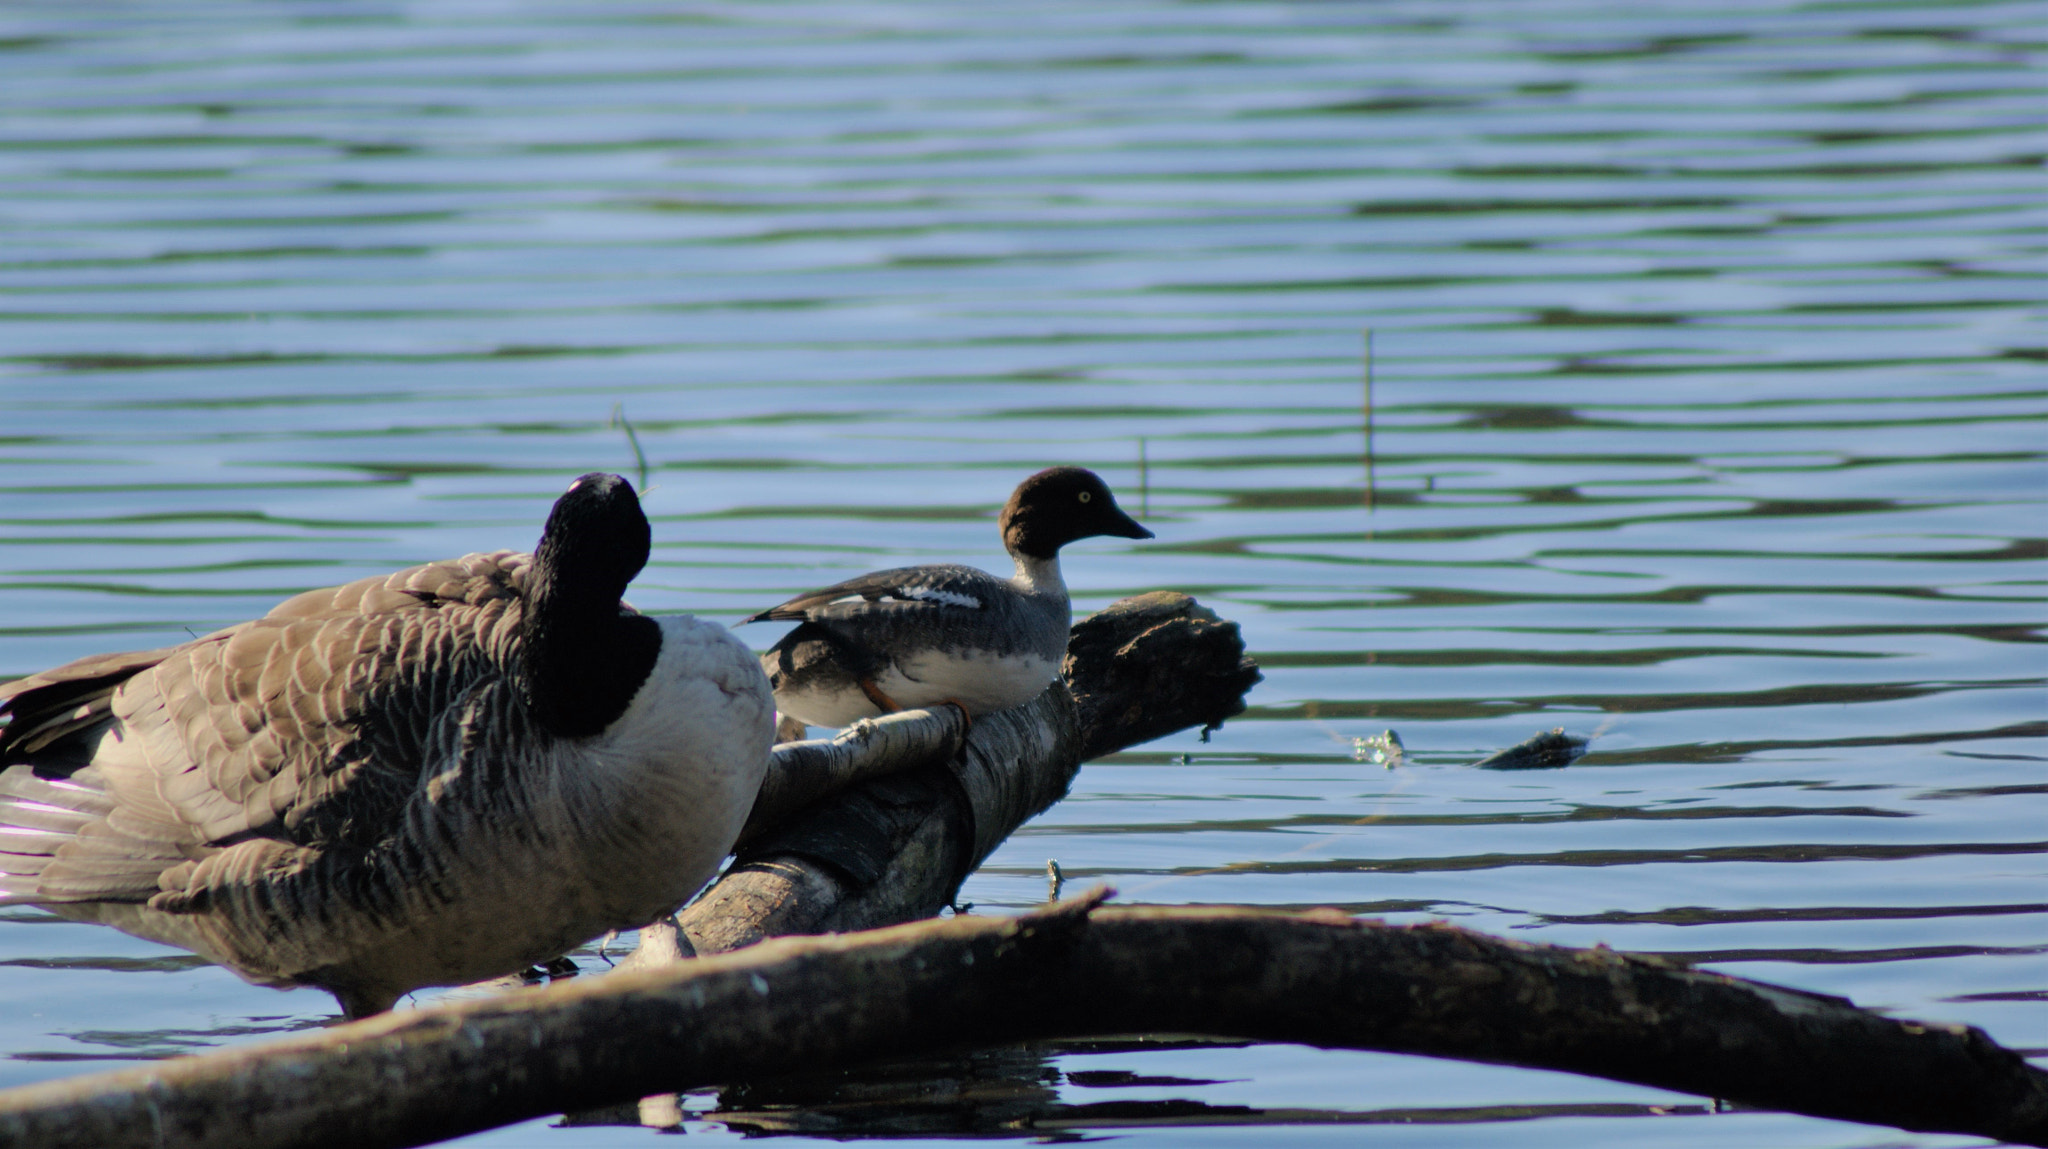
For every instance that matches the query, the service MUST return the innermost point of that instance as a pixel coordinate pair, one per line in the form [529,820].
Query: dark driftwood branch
[808,1003]
[896,848]
[801,773]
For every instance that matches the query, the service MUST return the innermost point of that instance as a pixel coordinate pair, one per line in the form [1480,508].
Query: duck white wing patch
[942,597]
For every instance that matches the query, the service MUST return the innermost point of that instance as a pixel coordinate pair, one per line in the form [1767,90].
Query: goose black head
[1056,506]
[584,655]
[595,542]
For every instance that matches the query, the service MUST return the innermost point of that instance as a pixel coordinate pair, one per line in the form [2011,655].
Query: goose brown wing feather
[46,706]
[310,725]
[43,708]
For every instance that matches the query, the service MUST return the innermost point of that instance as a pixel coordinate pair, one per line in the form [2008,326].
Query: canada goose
[925,635]
[438,776]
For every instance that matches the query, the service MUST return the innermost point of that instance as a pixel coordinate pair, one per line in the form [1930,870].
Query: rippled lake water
[1707,421]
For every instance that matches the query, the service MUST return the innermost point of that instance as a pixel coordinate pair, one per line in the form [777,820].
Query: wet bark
[1073,970]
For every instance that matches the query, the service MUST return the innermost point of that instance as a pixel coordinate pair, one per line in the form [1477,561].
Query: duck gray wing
[309,726]
[912,637]
[932,590]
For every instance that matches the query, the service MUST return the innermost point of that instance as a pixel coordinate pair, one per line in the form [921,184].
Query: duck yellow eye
[1085,496]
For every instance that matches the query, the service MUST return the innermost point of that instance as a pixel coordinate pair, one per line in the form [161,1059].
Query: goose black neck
[582,669]
[583,655]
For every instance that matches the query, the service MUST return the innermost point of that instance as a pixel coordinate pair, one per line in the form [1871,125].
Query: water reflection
[1019,1092]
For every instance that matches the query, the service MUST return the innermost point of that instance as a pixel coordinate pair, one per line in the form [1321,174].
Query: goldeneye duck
[428,778]
[926,635]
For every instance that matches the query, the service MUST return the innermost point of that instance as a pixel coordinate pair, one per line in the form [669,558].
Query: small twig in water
[1371,484]
[1144,482]
[639,456]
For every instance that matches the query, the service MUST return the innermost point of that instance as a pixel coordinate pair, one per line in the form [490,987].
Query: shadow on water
[156,1045]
